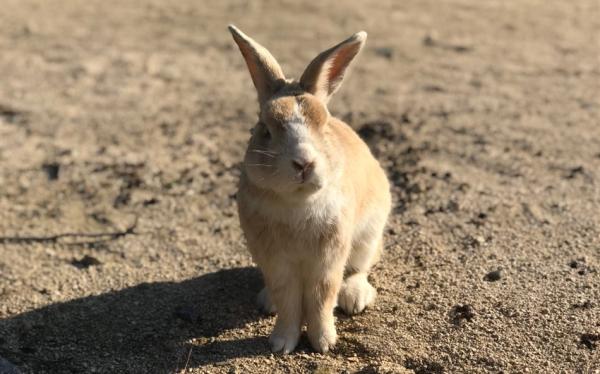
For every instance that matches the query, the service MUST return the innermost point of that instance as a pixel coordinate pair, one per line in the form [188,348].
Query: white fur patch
[298,131]
[322,209]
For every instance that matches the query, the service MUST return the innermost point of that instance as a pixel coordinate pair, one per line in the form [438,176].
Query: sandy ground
[131,118]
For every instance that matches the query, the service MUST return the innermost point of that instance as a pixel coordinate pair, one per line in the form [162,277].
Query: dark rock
[52,170]
[589,340]
[493,276]
[460,313]
[100,217]
[573,172]
[429,40]
[151,201]
[86,262]
[386,52]
[581,266]
[10,114]
[452,206]
[122,199]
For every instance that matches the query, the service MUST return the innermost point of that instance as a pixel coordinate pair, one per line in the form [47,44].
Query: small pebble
[52,170]
[460,313]
[493,276]
[589,340]
[85,262]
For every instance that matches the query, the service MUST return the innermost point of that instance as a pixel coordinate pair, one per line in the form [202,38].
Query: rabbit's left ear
[265,71]
[325,73]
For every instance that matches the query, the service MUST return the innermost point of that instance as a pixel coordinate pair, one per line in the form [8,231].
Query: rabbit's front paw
[284,341]
[264,302]
[322,338]
[356,294]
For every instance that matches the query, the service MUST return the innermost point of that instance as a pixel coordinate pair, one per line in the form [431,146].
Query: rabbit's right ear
[264,69]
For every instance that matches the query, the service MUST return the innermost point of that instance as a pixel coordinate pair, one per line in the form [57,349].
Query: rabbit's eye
[263,131]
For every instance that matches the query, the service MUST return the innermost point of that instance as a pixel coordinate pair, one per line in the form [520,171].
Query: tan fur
[278,111]
[316,114]
[306,232]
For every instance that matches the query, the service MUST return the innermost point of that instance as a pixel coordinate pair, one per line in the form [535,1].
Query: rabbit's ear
[264,69]
[325,73]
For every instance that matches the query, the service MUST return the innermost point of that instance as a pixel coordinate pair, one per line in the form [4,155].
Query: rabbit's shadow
[138,329]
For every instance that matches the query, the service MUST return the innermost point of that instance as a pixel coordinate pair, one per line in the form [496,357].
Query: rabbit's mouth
[305,177]
[309,183]
[308,188]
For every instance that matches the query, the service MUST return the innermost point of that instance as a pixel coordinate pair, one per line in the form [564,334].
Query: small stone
[430,38]
[52,170]
[151,201]
[493,276]
[573,172]
[85,262]
[386,52]
[122,199]
[589,340]
[461,312]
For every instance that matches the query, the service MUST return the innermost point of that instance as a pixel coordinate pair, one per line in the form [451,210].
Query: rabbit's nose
[303,166]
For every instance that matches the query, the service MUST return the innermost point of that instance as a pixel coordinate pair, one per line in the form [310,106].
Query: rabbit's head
[291,151]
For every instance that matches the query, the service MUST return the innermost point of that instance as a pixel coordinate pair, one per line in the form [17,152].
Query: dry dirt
[118,115]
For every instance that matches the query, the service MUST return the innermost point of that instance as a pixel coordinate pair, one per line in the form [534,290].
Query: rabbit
[312,200]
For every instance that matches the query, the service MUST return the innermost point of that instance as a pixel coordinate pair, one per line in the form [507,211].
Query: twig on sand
[56,237]
[188,359]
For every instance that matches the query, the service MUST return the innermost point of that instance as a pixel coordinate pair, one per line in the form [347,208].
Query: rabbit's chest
[304,226]
[301,236]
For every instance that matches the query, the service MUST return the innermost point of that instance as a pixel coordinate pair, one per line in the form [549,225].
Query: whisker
[262,153]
